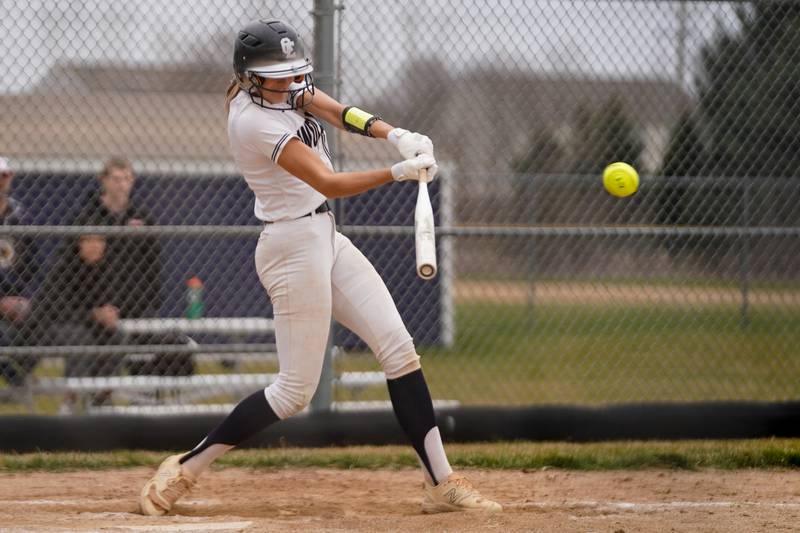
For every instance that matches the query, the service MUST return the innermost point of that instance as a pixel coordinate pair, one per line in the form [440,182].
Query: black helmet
[271,49]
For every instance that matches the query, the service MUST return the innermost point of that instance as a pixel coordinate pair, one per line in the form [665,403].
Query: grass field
[691,455]
[551,353]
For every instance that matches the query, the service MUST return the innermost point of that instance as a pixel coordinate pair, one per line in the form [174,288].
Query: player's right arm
[302,162]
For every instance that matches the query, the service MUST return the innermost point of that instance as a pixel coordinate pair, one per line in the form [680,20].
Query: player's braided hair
[231,92]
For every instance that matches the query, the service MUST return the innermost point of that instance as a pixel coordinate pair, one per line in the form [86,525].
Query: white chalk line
[195,524]
[648,506]
[87,501]
[563,504]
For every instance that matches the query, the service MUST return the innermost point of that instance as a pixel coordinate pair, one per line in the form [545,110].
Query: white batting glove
[410,144]
[410,169]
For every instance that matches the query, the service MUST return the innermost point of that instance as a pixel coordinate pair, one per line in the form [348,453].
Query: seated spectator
[136,260]
[80,304]
[18,270]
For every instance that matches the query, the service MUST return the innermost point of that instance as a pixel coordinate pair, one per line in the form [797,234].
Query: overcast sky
[607,38]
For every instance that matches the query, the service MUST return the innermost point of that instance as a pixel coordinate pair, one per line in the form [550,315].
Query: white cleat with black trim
[169,483]
[456,493]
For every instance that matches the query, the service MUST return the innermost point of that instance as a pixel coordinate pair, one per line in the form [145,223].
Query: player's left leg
[293,261]
[362,303]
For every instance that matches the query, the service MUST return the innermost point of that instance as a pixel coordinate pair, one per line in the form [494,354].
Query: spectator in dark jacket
[18,270]
[136,260]
[79,305]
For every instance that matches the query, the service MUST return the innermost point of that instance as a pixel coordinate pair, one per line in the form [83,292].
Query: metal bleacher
[181,394]
[165,394]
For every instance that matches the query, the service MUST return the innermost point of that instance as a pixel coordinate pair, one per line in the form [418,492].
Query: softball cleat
[456,493]
[170,483]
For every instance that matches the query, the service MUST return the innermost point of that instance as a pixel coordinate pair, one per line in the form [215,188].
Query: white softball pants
[311,272]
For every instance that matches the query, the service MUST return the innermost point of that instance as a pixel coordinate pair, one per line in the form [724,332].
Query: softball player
[310,271]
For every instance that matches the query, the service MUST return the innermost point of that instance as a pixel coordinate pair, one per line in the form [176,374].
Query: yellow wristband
[357,120]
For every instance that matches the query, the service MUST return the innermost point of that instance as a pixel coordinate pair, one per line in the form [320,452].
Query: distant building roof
[173,118]
[75,131]
[195,78]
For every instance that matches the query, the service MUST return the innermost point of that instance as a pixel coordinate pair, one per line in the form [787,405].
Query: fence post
[744,256]
[324,79]
[529,203]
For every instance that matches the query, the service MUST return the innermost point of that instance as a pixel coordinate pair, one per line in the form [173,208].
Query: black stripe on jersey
[310,132]
[325,145]
[278,145]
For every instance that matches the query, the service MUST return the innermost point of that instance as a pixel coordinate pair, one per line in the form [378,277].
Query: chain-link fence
[549,291]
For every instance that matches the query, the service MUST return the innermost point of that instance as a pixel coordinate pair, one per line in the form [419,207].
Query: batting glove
[410,169]
[410,144]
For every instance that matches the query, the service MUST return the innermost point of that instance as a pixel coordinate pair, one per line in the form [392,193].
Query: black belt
[323,208]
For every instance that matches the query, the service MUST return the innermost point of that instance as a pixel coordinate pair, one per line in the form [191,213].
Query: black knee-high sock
[413,407]
[249,417]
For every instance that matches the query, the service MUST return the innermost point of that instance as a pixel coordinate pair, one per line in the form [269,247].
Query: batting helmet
[271,49]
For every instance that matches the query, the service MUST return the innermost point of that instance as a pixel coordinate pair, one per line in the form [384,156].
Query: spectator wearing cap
[18,272]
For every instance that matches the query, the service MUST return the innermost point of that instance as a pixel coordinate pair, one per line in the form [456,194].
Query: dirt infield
[388,500]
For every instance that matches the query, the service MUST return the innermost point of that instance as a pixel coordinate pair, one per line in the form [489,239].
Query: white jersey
[257,137]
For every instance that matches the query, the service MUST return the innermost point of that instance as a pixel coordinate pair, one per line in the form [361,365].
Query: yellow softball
[620,179]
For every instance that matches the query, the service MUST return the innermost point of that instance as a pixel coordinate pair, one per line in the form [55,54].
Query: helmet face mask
[271,49]
[254,85]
